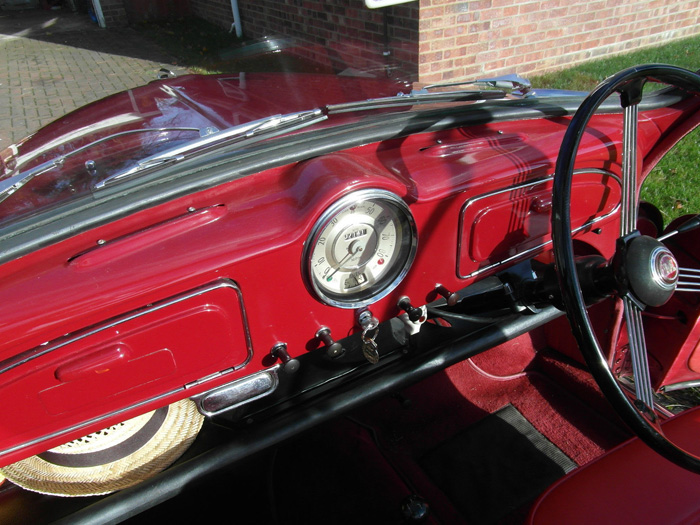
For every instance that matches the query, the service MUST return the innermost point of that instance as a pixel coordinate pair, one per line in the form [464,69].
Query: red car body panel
[184,296]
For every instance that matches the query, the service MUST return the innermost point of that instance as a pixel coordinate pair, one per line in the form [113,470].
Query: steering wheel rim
[641,418]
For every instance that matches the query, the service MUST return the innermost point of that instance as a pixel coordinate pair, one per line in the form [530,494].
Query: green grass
[672,185]
[684,53]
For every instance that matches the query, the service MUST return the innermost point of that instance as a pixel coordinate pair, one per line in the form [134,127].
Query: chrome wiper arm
[11,184]
[266,127]
[500,87]
[517,84]
[413,99]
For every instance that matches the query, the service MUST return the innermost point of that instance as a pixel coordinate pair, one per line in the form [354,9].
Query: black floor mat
[495,466]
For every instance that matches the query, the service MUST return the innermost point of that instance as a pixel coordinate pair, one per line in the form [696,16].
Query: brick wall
[114,13]
[441,40]
[466,39]
[341,33]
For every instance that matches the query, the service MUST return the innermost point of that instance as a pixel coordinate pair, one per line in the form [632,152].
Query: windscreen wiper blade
[498,88]
[516,84]
[413,99]
[267,127]
[10,185]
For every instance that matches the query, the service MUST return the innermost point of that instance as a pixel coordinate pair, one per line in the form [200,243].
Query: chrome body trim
[220,284]
[46,348]
[529,251]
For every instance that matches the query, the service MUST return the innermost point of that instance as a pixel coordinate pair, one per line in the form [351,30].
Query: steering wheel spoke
[628,211]
[638,352]
[688,280]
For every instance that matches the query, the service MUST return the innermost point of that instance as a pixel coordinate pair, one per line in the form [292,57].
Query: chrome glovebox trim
[51,346]
[31,355]
[530,251]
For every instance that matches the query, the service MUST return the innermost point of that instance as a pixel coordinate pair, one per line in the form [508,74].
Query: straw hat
[113,458]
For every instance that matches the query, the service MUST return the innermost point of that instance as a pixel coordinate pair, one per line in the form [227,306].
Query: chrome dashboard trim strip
[78,426]
[534,249]
[157,306]
[46,348]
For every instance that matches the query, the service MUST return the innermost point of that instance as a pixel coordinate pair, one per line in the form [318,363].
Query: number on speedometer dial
[360,248]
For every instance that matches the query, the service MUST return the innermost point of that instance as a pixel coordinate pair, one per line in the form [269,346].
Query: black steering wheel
[645,271]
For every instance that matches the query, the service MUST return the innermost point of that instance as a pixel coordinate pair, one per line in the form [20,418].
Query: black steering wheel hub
[650,270]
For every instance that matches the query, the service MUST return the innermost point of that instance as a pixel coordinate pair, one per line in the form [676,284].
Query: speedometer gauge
[360,248]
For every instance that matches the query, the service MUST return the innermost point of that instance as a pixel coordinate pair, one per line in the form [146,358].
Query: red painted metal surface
[100,320]
[608,490]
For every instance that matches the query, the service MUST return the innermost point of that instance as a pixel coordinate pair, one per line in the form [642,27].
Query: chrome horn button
[664,268]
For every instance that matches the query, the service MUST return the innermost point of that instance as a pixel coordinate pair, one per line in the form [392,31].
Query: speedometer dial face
[360,248]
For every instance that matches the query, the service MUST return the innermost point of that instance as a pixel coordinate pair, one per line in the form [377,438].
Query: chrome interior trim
[534,249]
[638,352]
[46,348]
[238,393]
[627,385]
[680,386]
[688,280]
[628,214]
[350,198]
[85,423]
[157,306]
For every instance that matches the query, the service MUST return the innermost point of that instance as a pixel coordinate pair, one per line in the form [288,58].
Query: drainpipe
[236,19]
[97,7]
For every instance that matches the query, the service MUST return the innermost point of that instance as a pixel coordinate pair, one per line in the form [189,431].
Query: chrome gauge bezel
[399,260]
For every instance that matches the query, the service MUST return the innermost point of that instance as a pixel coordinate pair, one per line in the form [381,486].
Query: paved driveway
[52,62]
